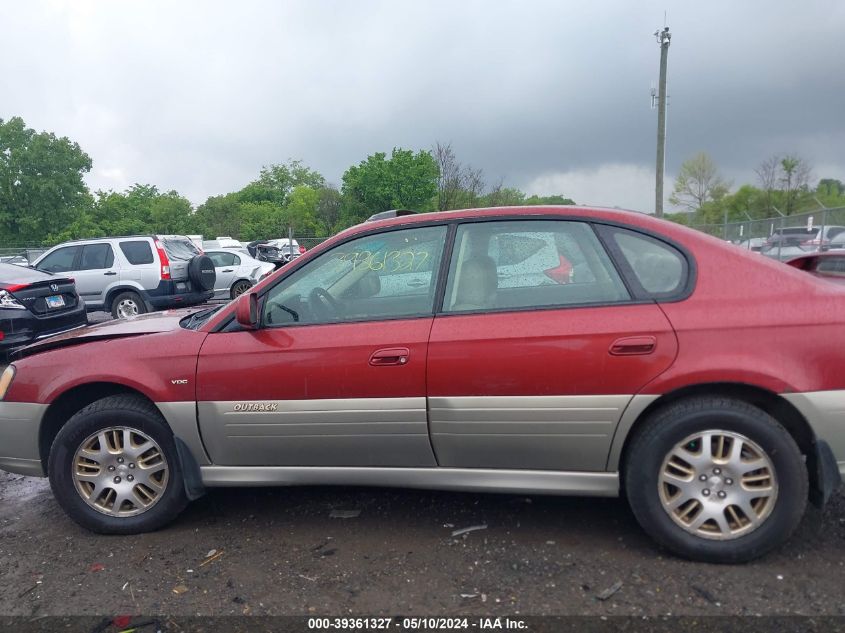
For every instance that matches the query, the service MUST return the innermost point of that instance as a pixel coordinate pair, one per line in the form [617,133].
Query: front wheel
[114,469]
[716,480]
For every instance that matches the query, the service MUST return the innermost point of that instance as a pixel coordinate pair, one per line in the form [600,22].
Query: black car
[34,305]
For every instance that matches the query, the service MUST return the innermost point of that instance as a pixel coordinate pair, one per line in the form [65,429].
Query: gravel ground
[279,551]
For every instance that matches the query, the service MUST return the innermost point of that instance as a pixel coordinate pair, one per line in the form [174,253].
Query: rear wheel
[240,287]
[127,305]
[716,480]
[114,469]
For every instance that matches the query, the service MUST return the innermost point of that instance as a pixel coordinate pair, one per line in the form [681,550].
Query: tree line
[44,198]
[784,186]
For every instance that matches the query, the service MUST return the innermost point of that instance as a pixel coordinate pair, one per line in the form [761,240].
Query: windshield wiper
[198,318]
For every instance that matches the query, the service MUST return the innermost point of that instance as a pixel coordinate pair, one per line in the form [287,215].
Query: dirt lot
[278,551]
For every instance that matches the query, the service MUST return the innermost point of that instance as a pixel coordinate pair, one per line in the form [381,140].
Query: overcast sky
[552,97]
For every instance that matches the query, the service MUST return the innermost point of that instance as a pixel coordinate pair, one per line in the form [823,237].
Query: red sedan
[540,350]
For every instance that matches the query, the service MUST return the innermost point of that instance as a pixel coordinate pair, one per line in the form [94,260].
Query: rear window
[177,248]
[137,252]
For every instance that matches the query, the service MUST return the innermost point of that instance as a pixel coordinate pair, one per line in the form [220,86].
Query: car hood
[152,323]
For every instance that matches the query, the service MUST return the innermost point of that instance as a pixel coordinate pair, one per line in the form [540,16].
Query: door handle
[633,345]
[111,272]
[416,284]
[228,270]
[390,356]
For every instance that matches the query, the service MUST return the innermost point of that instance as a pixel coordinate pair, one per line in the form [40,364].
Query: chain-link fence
[784,237]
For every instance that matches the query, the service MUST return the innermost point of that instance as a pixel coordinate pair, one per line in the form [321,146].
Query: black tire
[201,272]
[239,287]
[672,424]
[127,300]
[122,410]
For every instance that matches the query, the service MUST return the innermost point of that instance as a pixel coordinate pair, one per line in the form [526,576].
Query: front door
[539,348]
[335,375]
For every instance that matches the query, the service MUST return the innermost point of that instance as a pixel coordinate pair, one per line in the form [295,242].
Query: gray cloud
[196,96]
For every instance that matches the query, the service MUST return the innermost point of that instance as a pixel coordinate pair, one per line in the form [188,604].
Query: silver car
[128,276]
[236,271]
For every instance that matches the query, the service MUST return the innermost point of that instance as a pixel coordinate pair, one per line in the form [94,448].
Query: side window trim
[606,233]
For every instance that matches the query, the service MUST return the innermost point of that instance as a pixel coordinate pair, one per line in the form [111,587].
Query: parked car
[236,271]
[829,266]
[17,260]
[35,305]
[264,251]
[128,276]
[289,249]
[789,242]
[650,373]
[755,244]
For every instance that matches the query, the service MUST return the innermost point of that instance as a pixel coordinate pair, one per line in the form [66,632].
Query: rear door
[95,271]
[225,267]
[139,266]
[535,357]
[335,375]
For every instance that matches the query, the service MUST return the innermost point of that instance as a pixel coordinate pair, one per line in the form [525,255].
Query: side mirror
[246,310]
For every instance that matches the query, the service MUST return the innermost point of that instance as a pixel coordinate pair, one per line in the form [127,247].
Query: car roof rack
[393,213]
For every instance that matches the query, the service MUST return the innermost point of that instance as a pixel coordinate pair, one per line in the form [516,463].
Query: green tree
[698,182]
[406,180]
[300,213]
[41,185]
[276,182]
[501,196]
[547,200]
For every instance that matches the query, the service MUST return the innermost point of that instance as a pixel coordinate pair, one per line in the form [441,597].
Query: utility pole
[663,38]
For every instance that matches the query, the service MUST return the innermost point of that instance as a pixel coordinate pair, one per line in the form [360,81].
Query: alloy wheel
[120,471]
[718,485]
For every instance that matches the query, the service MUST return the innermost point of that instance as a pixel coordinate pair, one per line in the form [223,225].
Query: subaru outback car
[456,351]
[128,276]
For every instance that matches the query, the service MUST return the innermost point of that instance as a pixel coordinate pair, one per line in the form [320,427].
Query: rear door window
[534,263]
[96,257]
[222,259]
[137,252]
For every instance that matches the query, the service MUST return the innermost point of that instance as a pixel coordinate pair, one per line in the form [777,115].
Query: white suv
[128,276]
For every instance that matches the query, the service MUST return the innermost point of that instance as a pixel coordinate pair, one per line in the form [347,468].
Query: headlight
[6,380]
[8,301]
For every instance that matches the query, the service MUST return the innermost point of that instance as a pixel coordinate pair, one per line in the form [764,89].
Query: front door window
[378,277]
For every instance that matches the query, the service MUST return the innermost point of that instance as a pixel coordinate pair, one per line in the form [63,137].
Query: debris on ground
[467,596]
[704,593]
[471,528]
[210,558]
[95,567]
[211,553]
[180,589]
[610,591]
[344,514]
